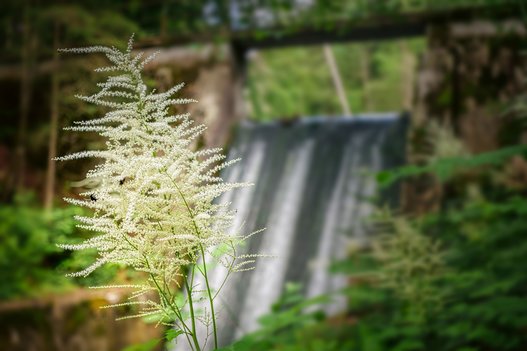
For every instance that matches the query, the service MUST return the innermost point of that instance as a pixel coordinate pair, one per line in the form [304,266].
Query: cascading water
[313,191]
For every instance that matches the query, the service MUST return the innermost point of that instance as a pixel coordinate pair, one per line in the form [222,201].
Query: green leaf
[445,168]
[146,346]
[171,334]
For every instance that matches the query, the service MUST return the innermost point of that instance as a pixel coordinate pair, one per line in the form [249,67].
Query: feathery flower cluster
[153,208]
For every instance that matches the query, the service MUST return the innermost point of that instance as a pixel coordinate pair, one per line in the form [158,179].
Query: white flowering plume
[153,208]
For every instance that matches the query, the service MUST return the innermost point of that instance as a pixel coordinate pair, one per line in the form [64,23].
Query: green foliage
[29,257]
[445,168]
[295,324]
[412,265]
[453,280]
[204,18]
[145,346]
[79,25]
[170,337]
[305,90]
[308,89]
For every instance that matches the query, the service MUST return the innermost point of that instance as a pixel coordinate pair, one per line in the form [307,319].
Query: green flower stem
[210,298]
[192,317]
[167,302]
[205,275]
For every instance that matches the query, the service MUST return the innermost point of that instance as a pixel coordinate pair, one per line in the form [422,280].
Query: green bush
[295,324]
[453,280]
[29,257]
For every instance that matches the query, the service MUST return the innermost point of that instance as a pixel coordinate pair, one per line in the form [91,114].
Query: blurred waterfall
[313,192]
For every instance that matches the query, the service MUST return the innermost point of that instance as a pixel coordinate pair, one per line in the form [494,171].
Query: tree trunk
[337,80]
[365,77]
[408,63]
[26,83]
[49,189]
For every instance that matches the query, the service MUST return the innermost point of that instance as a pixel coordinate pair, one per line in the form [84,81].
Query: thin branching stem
[205,275]
[192,316]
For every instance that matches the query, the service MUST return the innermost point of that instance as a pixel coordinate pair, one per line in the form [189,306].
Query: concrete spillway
[313,192]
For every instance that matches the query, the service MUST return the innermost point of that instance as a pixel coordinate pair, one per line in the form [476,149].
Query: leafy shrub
[453,280]
[29,257]
[296,324]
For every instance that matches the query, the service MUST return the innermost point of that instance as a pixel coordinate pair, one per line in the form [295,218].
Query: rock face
[468,70]
[71,322]
[212,78]
[469,73]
